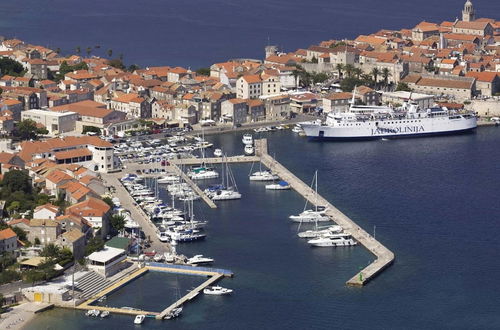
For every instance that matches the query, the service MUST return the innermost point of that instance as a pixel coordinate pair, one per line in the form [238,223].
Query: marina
[384,257]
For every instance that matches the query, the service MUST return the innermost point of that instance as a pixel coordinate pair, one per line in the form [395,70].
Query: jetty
[214,275]
[384,256]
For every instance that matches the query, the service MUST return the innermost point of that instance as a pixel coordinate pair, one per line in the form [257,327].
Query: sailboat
[202,172]
[262,175]
[228,192]
[187,233]
[318,214]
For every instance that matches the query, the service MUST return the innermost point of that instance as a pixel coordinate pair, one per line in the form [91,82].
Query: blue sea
[432,201]
[198,33]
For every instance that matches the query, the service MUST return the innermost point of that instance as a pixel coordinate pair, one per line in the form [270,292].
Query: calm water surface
[198,33]
[434,202]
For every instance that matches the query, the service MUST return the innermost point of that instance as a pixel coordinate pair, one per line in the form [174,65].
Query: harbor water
[432,201]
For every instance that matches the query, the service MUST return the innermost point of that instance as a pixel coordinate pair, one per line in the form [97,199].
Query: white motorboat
[104,314]
[139,319]
[202,173]
[93,312]
[217,291]
[320,232]
[282,185]
[199,260]
[249,150]
[263,176]
[176,312]
[218,152]
[169,179]
[310,216]
[163,236]
[341,239]
[247,139]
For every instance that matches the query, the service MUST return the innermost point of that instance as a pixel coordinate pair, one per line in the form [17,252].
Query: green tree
[16,181]
[319,77]
[403,87]
[37,241]
[348,84]
[357,72]
[94,244]
[386,73]
[1,91]
[340,69]
[92,129]
[78,50]
[375,73]
[89,51]
[349,68]
[109,52]
[117,222]
[50,251]
[11,67]
[314,59]
[58,50]
[133,67]
[13,207]
[117,63]
[120,57]
[21,234]
[109,201]
[203,71]
[27,130]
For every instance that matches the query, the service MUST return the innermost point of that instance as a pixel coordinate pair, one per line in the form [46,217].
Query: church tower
[468,14]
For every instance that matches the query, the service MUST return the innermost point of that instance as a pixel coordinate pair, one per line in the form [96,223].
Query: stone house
[75,241]
[46,230]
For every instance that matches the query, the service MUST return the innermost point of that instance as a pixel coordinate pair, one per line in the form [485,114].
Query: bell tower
[468,14]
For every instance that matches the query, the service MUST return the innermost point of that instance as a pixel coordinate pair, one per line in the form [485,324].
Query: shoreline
[17,318]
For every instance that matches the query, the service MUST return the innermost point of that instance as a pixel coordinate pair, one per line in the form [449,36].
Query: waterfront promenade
[147,226]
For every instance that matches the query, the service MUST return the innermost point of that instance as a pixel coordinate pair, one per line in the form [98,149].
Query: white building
[54,122]
[107,261]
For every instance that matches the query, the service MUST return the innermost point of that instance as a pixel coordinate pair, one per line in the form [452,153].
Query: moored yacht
[217,291]
[320,232]
[199,260]
[341,239]
[263,176]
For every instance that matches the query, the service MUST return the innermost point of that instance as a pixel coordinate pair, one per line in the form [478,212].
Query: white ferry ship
[376,122]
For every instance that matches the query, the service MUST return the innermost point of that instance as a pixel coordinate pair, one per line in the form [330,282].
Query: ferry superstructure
[363,122]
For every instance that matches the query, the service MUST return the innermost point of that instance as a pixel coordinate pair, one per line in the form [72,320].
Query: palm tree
[78,49]
[110,52]
[58,50]
[386,74]
[89,50]
[357,72]
[340,68]
[375,72]
[348,68]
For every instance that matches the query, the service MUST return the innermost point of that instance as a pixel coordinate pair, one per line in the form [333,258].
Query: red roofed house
[487,83]
[133,105]
[89,151]
[94,211]
[46,211]
[8,240]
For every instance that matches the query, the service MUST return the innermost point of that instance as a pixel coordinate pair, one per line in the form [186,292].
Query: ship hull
[371,131]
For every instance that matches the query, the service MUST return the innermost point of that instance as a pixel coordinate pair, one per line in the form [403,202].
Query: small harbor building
[106,262]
